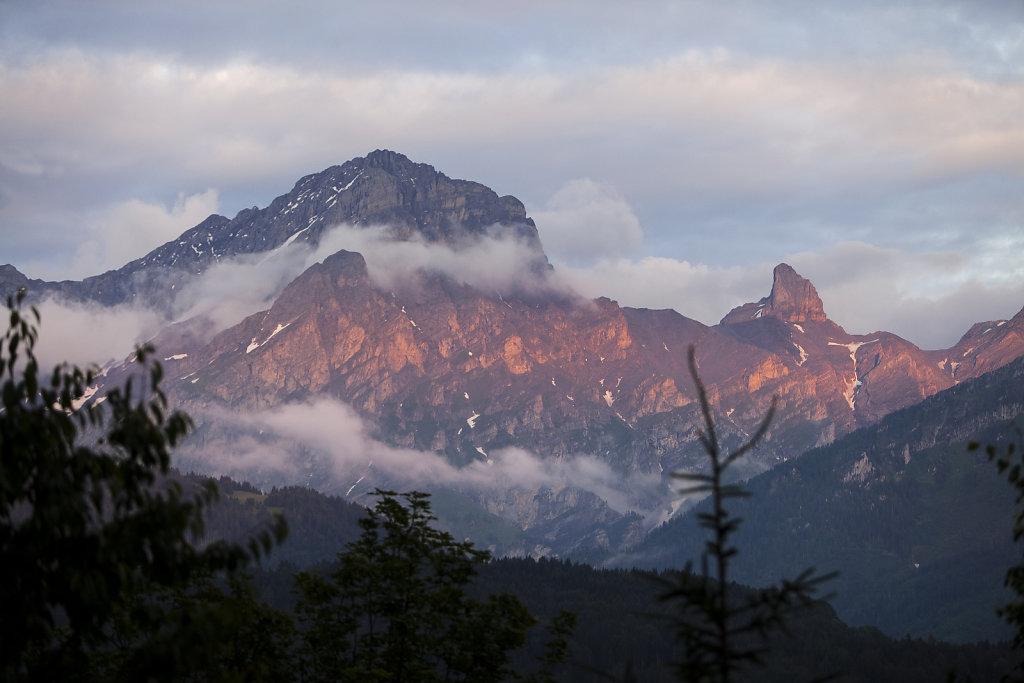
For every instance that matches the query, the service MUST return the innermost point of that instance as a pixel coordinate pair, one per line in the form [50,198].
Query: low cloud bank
[930,298]
[278,443]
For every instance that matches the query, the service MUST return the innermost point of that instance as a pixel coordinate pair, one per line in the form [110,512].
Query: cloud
[85,334]
[930,298]
[133,228]
[232,289]
[697,291]
[275,439]
[490,263]
[707,134]
[585,221]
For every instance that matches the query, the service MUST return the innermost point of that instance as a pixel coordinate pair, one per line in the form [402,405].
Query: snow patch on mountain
[850,394]
[253,345]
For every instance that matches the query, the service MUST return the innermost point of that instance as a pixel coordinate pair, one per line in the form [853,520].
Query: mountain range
[405,329]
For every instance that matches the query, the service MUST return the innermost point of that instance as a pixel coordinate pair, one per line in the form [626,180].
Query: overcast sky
[671,153]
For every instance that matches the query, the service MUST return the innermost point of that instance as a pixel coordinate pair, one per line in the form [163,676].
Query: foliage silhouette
[89,522]
[396,607]
[720,627]
[1008,460]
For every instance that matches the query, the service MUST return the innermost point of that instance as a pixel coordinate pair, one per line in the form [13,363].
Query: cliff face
[445,367]
[439,366]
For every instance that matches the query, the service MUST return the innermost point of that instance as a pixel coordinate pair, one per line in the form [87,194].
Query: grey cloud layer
[736,135]
[451,34]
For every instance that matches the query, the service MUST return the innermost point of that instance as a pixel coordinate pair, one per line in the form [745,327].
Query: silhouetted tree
[88,523]
[1009,461]
[720,627]
[396,607]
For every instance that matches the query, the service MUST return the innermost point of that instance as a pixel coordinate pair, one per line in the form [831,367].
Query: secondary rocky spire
[793,299]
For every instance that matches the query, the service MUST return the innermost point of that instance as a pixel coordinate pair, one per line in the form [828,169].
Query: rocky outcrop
[793,299]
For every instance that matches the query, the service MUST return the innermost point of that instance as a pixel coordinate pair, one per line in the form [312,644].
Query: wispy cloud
[87,334]
[279,440]
[491,263]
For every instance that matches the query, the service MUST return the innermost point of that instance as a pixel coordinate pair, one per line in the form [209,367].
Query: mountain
[557,417]
[919,528]
[382,188]
[874,374]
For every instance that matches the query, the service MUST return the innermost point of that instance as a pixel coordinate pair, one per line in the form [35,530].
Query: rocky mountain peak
[384,188]
[393,162]
[793,298]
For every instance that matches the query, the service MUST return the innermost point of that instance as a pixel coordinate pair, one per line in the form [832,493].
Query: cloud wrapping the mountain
[491,263]
[930,298]
[85,334]
[232,289]
[271,440]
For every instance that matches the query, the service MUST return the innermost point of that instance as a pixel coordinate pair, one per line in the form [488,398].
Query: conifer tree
[396,607]
[721,627]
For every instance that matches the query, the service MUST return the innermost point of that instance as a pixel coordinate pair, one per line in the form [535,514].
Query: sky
[671,153]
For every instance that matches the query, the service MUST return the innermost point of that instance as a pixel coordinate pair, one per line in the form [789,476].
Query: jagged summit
[384,188]
[793,299]
[414,199]
[395,163]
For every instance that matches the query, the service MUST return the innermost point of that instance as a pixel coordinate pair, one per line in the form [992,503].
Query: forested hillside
[918,527]
[622,627]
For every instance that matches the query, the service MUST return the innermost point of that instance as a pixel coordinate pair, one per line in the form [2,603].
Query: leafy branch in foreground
[89,521]
[723,628]
[1010,460]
